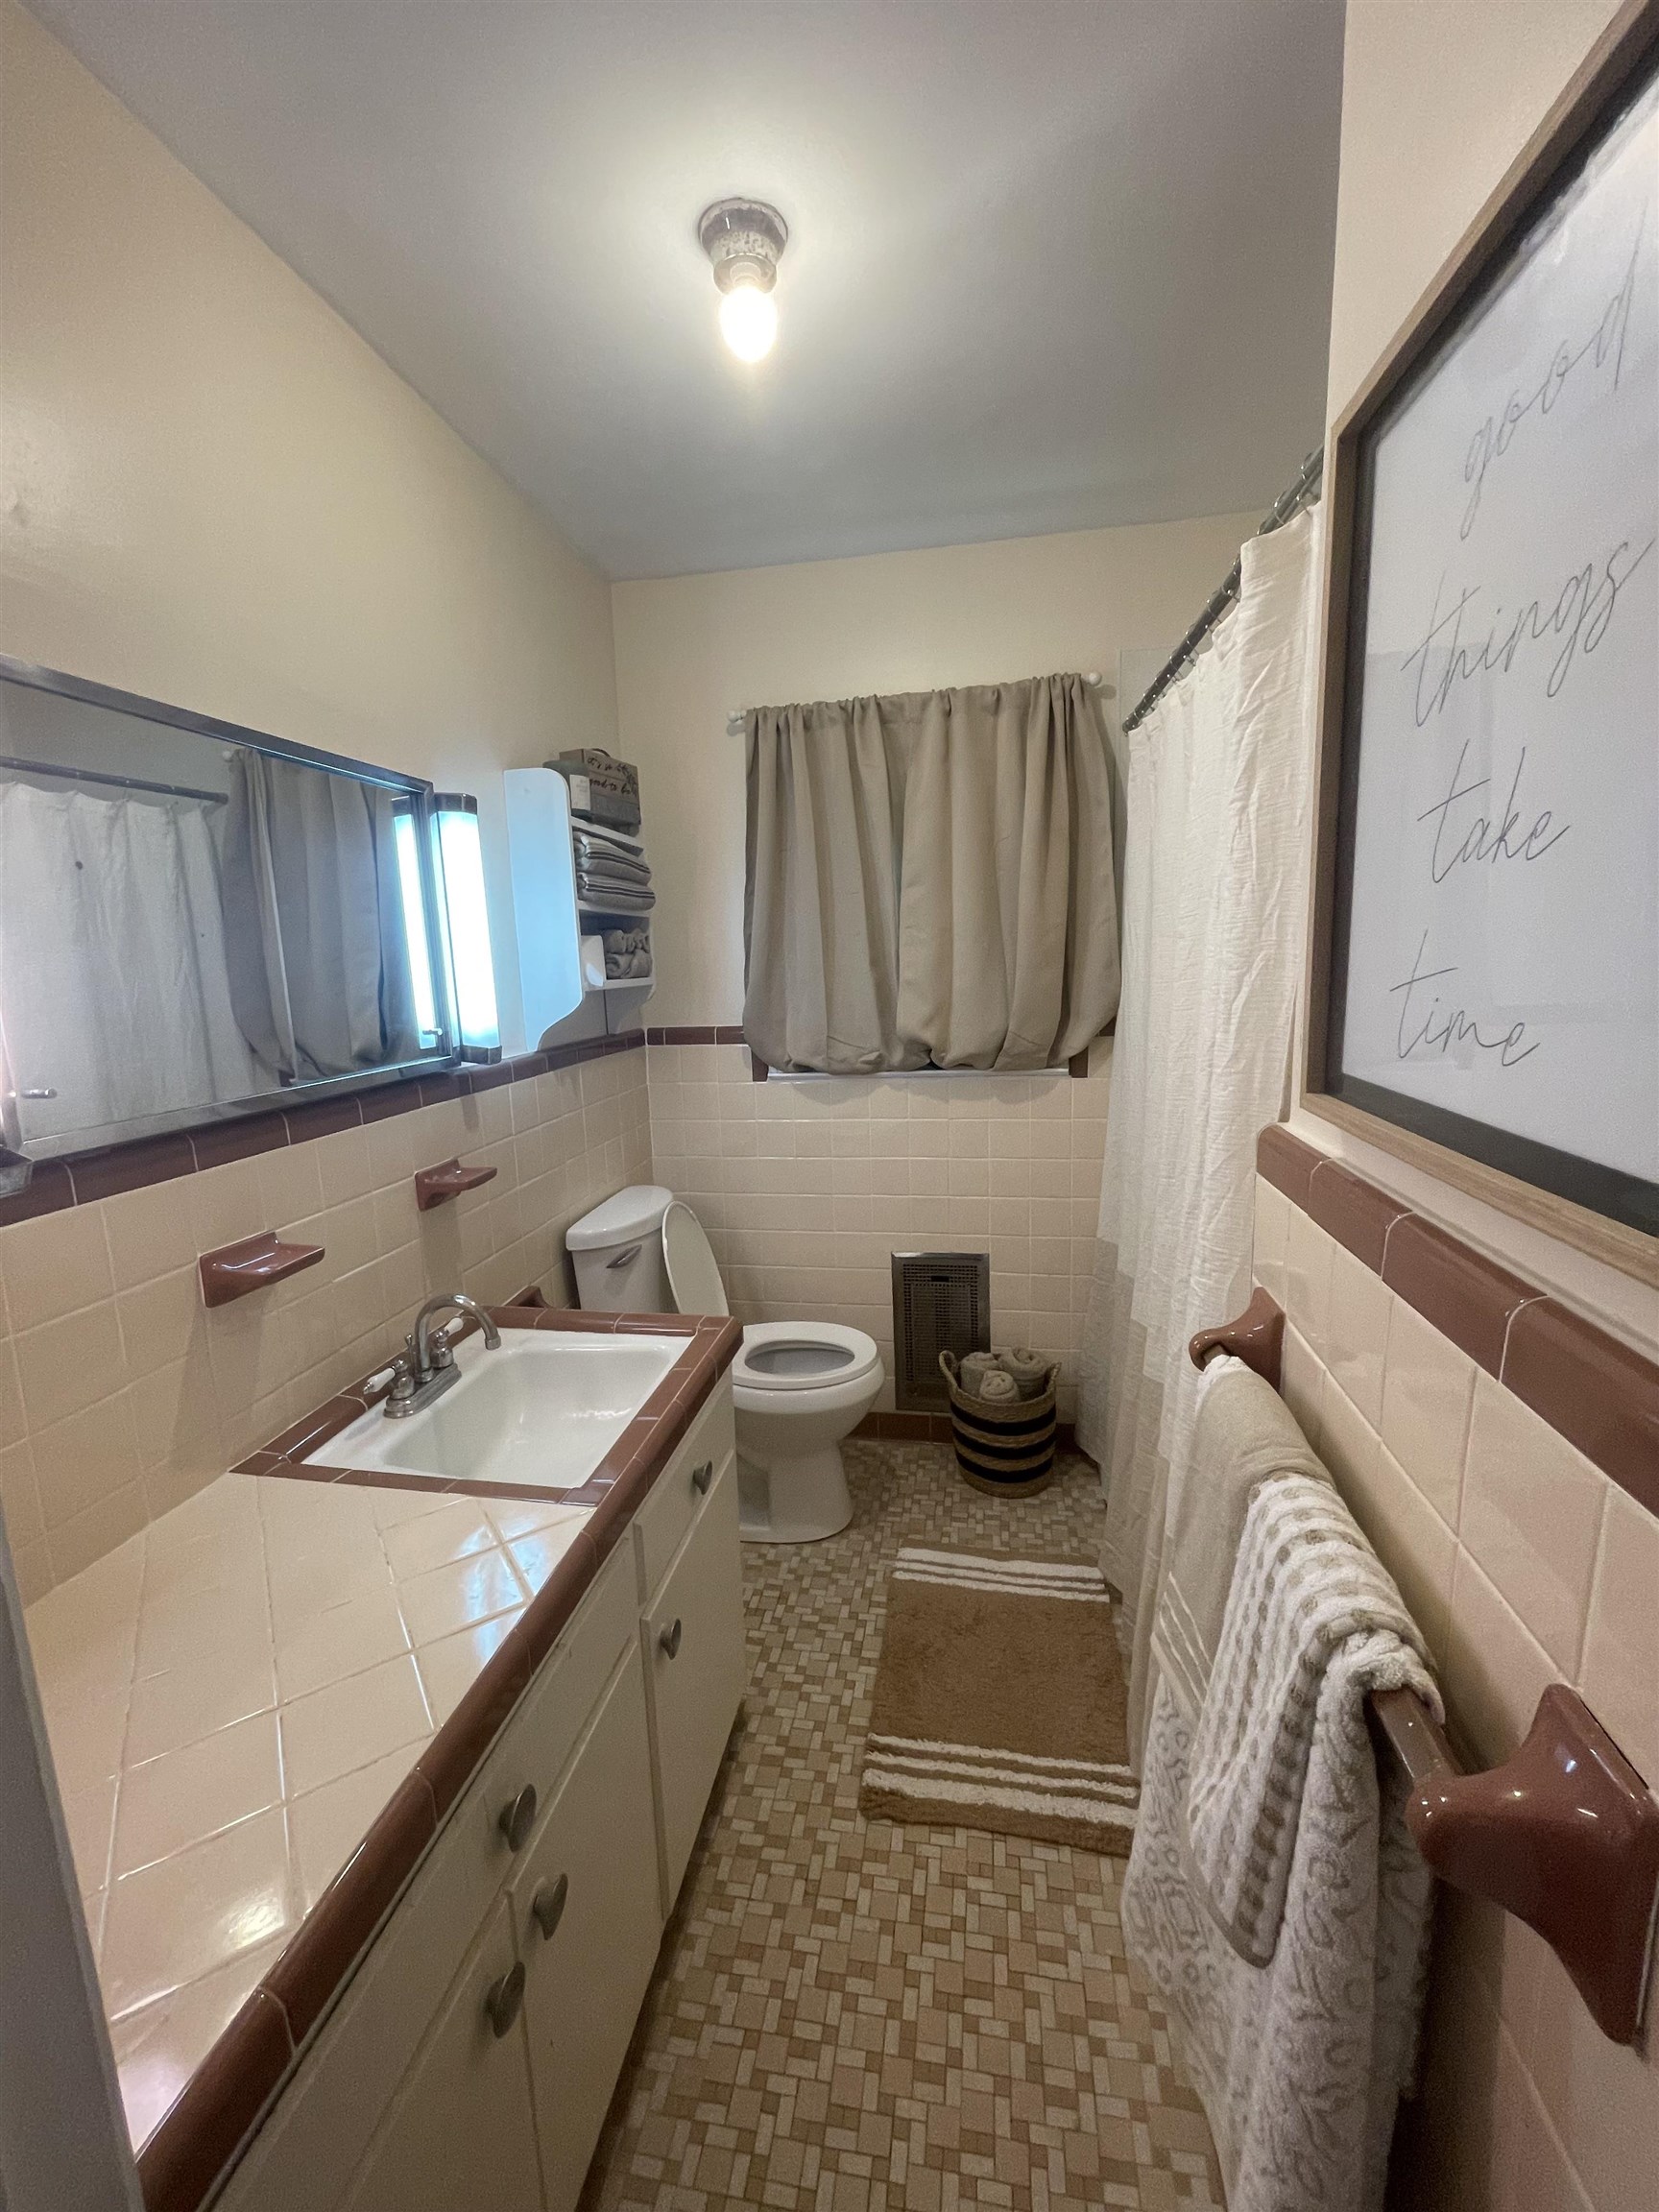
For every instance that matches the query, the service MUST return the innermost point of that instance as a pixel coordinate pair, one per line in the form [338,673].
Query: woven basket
[1004,1447]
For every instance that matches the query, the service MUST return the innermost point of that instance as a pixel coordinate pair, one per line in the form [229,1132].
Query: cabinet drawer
[541,1736]
[462,2130]
[674,1500]
[696,1670]
[588,1918]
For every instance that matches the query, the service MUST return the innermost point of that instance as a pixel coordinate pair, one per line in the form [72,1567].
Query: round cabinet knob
[504,2001]
[702,1477]
[669,1640]
[519,1818]
[547,1906]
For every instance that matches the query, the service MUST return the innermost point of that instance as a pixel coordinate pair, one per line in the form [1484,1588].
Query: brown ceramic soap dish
[433,1186]
[234,1270]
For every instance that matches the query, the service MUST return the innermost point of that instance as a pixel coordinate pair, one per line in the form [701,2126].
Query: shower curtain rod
[735,719]
[1301,493]
[98,775]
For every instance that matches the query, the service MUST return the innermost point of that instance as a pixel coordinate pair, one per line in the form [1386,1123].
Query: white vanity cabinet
[471,2058]
[587,1917]
[460,2130]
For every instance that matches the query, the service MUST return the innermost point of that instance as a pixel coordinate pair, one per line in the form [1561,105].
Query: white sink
[543,1410]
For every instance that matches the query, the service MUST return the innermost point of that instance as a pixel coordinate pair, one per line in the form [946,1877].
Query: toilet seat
[789,1358]
[802,1356]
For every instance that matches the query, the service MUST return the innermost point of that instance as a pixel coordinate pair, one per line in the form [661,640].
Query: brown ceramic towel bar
[1564,1834]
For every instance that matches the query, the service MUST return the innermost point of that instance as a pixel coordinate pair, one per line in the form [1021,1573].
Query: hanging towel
[1307,1587]
[1300,2062]
[1244,1433]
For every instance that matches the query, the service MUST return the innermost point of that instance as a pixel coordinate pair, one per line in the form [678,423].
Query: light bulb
[748,321]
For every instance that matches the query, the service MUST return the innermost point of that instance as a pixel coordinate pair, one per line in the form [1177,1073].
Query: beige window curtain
[929,880]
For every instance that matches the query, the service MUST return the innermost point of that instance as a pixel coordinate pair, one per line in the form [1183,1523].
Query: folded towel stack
[627,953]
[612,873]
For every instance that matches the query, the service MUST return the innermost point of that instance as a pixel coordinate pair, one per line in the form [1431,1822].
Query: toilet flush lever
[625,1257]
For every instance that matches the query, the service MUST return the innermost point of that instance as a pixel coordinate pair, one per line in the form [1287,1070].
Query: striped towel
[1307,1589]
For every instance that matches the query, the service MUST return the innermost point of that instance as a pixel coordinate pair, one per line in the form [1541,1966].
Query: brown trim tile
[730,1033]
[199,2134]
[220,1143]
[390,1100]
[495,1077]
[436,1089]
[545,1617]
[1355,1212]
[304,1435]
[1285,1161]
[1458,1291]
[134,1166]
[759,1070]
[450,1760]
[302,1982]
[48,1190]
[261,1463]
[1597,1393]
[322,1117]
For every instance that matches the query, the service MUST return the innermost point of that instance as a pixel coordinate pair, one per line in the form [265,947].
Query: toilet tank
[618,1253]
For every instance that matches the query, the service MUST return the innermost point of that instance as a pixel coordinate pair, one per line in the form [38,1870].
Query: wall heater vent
[941,1303]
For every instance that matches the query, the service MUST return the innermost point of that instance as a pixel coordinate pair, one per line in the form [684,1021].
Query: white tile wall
[807,1188]
[120,1394]
[1525,1566]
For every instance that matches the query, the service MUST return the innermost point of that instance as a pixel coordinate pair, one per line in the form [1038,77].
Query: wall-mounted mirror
[197,919]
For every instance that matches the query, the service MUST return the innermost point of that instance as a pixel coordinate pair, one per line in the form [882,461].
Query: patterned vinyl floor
[850,2016]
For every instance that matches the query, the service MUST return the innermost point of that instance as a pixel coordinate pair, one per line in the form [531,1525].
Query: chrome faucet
[427,1367]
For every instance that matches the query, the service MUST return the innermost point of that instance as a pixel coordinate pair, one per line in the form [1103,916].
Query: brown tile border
[1599,1393]
[225,2095]
[725,1033]
[200,2131]
[83,1178]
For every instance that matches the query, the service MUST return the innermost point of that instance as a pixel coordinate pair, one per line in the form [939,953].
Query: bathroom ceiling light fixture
[743,238]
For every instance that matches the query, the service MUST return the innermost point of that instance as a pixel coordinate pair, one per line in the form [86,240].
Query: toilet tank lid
[636,1211]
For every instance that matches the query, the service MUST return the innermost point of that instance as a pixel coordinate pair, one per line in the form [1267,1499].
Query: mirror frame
[17,1155]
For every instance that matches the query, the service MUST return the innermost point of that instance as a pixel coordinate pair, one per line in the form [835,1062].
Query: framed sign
[1484,970]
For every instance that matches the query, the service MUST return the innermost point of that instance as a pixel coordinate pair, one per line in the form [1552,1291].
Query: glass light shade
[414,901]
[471,967]
[748,321]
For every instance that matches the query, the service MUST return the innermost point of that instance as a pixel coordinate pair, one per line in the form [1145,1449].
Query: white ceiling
[1055,264]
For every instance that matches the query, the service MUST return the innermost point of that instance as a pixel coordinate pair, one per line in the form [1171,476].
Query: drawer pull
[519,1818]
[702,1477]
[504,2001]
[669,1640]
[547,1907]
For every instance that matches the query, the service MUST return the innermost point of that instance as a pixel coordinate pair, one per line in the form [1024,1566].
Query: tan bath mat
[999,1702]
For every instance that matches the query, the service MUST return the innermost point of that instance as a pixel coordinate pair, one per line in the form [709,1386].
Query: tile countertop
[289,1676]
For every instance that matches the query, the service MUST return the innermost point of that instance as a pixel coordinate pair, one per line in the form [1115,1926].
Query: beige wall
[213,493]
[690,648]
[807,1188]
[1525,1563]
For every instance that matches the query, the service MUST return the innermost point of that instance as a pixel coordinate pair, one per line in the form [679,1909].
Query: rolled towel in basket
[998,1388]
[1029,1369]
[976,1366]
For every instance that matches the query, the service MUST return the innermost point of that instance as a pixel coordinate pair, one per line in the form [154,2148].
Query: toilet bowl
[798,1387]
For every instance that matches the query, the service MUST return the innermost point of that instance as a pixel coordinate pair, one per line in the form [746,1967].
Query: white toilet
[799,1386]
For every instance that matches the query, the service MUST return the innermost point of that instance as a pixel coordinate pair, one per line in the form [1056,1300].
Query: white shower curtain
[113,980]
[1214,888]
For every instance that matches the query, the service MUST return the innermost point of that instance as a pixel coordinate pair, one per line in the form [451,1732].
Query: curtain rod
[735,719]
[1300,493]
[97,775]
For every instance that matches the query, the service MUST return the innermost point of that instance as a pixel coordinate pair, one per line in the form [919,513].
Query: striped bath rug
[999,1702]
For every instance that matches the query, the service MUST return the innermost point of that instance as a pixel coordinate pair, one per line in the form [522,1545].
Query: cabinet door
[696,1669]
[461,2132]
[589,1921]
